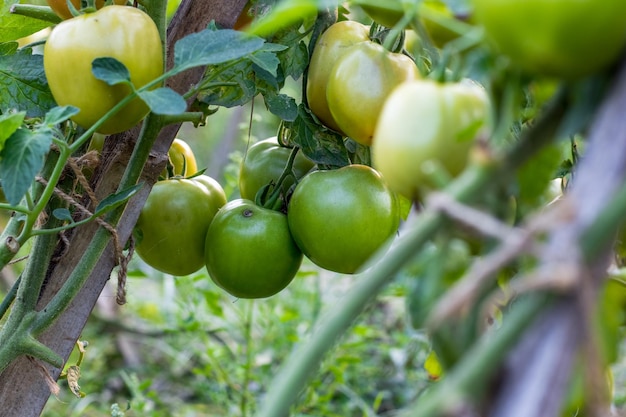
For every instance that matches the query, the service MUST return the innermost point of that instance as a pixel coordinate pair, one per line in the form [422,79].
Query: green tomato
[121,32]
[264,162]
[560,38]
[173,223]
[359,83]
[424,122]
[339,218]
[249,251]
[330,46]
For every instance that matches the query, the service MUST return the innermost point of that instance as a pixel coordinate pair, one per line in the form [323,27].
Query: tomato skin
[560,38]
[249,251]
[121,32]
[264,162]
[173,224]
[330,46]
[424,121]
[359,83]
[339,218]
[182,158]
[61,9]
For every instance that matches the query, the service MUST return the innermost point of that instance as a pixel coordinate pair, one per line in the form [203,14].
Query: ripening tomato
[560,38]
[264,162]
[359,83]
[249,251]
[173,223]
[330,46]
[427,125]
[121,32]
[340,217]
[182,159]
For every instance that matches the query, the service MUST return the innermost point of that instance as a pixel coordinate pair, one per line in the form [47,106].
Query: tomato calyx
[271,196]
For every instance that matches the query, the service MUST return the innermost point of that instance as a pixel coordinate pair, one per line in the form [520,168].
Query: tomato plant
[426,126]
[182,159]
[121,32]
[339,218]
[62,10]
[174,221]
[561,38]
[264,162]
[330,46]
[359,83]
[249,251]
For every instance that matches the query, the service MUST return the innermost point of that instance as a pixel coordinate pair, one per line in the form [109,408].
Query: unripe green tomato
[121,32]
[330,46]
[359,83]
[423,122]
[560,38]
[265,161]
[340,217]
[249,251]
[173,223]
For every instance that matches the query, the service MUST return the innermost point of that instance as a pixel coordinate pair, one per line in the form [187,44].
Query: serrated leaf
[110,70]
[13,26]
[59,114]
[116,199]
[23,84]
[62,214]
[164,101]
[210,47]
[320,145]
[231,87]
[282,106]
[9,123]
[22,158]
[266,61]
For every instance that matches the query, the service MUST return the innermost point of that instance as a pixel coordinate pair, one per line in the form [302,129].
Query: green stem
[8,299]
[38,12]
[92,255]
[470,186]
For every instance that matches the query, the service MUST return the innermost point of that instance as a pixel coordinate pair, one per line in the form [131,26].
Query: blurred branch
[544,357]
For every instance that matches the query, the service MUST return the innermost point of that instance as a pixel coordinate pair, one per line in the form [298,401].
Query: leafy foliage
[23,83]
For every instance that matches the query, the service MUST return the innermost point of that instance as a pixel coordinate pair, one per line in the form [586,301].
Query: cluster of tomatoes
[337,218]
[415,126]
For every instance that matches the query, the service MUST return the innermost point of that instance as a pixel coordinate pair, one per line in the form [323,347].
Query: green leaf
[8,48]
[210,47]
[59,114]
[13,26]
[110,70]
[534,177]
[23,84]
[63,214]
[9,123]
[266,61]
[22,159]
[230,87]
[164,101]
[321,145]
[116,199]
[282,106]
